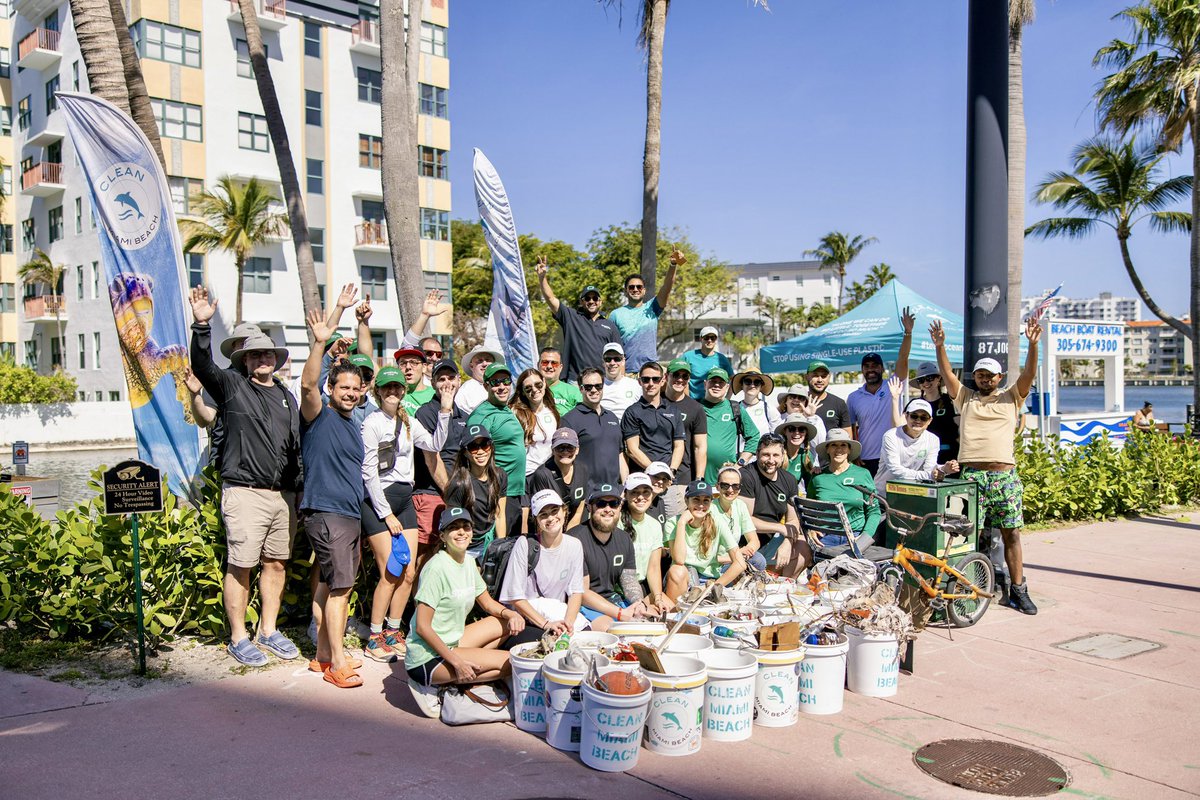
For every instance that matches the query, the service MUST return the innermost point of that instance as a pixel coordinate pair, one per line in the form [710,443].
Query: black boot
[1018,598]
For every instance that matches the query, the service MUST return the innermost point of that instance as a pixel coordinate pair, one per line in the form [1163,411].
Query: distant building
[1105,307]
[1155,348]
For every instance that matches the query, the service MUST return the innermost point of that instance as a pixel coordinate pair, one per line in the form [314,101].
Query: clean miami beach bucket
[729,694]
[612,727]
[776,686]
[563,703]
[674,725]
[529,696]
[823,677]
[873,663]
[645,632]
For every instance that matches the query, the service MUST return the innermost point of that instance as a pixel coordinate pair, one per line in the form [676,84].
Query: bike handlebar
[954,524]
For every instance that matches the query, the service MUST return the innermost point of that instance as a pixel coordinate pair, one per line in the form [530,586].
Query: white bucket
[729,694]
[739,595]
[529,691]
[644,632]
[675,722]
[562,703]
[593,640]
[742,625]
[873,664]
[612,728]
[776,686]
[823,678]
[689,643]
[701,621]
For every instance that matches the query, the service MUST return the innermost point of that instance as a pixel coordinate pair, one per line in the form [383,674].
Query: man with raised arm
[870,405]
[637,320]
[585,329]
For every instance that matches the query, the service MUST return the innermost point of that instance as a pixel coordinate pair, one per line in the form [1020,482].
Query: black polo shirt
[605,562]
[657,428]
[427,415]
[549,476]
[695,422]
[583,339]
[600,443]
[771,498]
[834,412]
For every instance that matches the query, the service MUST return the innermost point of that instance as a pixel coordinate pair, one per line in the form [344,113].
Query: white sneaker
[427,699]
[359,629]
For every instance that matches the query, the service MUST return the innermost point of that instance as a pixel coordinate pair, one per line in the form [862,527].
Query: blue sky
[780,127]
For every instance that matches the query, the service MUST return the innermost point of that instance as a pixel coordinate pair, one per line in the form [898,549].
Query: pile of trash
[877,611]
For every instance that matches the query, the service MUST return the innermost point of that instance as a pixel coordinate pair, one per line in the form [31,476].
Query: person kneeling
[442,649]
[700,539]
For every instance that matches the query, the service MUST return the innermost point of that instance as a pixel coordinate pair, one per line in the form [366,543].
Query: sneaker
[1018,598]
[395,640]
[427,698]
[278,644]
[245,652]
[312,630]
[359,629]
[378,649]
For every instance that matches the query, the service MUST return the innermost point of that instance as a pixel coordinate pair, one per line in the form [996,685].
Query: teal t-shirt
[706,563]
[700,365]
[508,441]
[723,437]
[450,589]
[566,396]
[415,398]
[647,537]
[639,332]
[831,488]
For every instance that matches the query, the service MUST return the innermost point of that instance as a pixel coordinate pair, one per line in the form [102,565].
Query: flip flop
[344,678]
[321,666]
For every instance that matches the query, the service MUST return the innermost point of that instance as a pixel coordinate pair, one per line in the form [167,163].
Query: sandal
[344,678]
[321,666]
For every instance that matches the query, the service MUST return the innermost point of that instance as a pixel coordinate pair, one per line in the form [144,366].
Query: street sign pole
[137,595]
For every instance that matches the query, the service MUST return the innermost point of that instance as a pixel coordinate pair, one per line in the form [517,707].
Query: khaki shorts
[259,523]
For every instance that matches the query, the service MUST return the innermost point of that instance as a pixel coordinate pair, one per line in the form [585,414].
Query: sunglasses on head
[651,379]
[769,438]
[607,502]
[591,387]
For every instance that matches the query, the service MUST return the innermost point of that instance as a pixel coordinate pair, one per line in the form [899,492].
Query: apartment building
[1154,348]
[325,61]
[1103,307]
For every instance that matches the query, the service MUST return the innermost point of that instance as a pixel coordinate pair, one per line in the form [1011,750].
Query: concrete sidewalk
[1123,728]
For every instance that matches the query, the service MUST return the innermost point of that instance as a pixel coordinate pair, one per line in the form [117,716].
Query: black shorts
[334,541]
[399,497]
[423,674]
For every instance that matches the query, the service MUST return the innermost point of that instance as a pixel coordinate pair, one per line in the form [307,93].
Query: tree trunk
[841,271]
[400,54]
[1140,288]
[650,159]
[135,85]
[1195,254]
[239,264]
[1016,193]
[101,53]
[297,217]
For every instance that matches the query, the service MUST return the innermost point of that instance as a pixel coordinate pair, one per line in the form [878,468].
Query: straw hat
[768,384]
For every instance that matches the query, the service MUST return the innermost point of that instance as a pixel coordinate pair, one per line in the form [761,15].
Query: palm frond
[1062,227]
[1171,222]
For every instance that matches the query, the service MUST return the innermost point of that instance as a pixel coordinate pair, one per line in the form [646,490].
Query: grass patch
[29,654]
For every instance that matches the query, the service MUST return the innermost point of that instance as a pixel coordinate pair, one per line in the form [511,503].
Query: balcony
[43,179]
[364,37]
[39,50]
[272,14]
[44,138]
[44,308]
[371,235]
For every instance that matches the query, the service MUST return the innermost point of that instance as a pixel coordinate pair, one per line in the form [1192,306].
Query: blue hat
[400,556]
[452,515]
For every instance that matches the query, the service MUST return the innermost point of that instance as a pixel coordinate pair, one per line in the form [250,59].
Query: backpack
[495,561]
[736,410]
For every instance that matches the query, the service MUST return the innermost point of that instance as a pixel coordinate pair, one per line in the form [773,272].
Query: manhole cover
[992,767]
[1111,646]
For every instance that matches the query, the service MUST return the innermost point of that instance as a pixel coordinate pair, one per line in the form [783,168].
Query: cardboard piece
[648,658]
[784,636]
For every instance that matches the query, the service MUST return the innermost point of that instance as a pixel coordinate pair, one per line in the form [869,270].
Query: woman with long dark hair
[479,486]
[538,417]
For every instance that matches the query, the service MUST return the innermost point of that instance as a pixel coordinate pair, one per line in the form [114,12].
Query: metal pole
[137,594]
[985,319]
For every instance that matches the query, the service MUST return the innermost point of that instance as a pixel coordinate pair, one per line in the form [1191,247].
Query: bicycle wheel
[976,568]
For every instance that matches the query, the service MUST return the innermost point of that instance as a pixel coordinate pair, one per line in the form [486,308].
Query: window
[8,298]
[431,162]
[315,175]
[23,113]
[50,23]
[51,99]
[183,192]
[316,238]
[6,238]
[8,350]
[82,347]
[312,39]
[28,234]
[114,396]
[374,282]
[433,39]
[163,42]
[828,279]
[747,302]
[433,101]
[79,282]
[828,300]
[372,210]
[75,76]
[195,269]
[5,120]
[724,305]
[378,344]
[312,107]
[178,120]
[435,224]
[5,62]
[774,277]
[439,281]
[95,280]
[370,151]
[56,352]
[245,69]
[54,152]
[370,85]
[31,353]
[6,181]
[96,352]
[55,218]
[252,132]
[99,396]
[256,276]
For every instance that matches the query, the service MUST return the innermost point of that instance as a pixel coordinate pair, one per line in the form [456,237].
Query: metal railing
[38,39]
[45,306]
[370,232]
[42,172]
[365,30]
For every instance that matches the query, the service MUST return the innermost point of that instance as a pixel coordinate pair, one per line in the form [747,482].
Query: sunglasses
[477,446]
[548,363]
[795,429]
[928,379]
[681,376]
[752,382]
[708,338]
[531,386]
[434,353]
[651,379]
[494,382]
[591,387]
[613,359]
[607,503]
[728,487]
[919,417]
[565,448]
[634,287]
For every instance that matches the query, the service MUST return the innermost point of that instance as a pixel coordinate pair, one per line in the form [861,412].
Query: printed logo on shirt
[578,493]
[847,481]
[781,497]
[831,413]
[618,559]
[727,418]
[611,422]
[939,412]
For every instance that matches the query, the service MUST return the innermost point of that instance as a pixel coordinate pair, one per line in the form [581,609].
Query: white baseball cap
[635,480]
[659,468]
[919,405]
[546,497]
[707,330]
[989,364]
[613,347]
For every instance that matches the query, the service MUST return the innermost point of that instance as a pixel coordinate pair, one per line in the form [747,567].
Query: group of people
[621,482]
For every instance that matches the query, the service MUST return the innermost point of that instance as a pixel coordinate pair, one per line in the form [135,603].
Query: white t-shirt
[766,417]
[557,576]
[378,427]
[538,452]
[620,395]
[905,458]
[470,395]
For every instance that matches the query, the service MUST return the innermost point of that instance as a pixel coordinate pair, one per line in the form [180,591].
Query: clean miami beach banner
[143,263]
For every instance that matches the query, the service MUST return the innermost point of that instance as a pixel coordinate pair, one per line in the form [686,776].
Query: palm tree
[236,218]
[101,53]
[41,270]
[879,276]
[400,53]
[297,217]
[835,252]
[1020,14]
[1115,184]
[135,85]
[1155,86]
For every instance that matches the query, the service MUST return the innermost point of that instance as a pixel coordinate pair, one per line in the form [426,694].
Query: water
[73,468]
[1169,401]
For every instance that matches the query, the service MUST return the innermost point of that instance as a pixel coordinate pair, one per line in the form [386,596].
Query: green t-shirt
[647,537]
[707,564]
[737,520]
[723,436]
[508,441]
[566,396]
[831,488]
[800,467]
[415,398]
[450,589]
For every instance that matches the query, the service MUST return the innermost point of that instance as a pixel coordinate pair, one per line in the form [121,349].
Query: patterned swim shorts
[1000,495]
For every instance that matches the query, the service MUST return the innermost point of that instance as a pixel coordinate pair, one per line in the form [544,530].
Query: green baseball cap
[495,368]
[390,375]
[679,365]
[813,366]
[717,372]
[351,347]
[362,362]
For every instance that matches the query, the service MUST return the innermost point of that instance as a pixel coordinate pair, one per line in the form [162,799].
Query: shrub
[20,384]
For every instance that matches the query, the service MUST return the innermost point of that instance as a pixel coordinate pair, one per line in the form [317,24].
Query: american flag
[1042,306]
